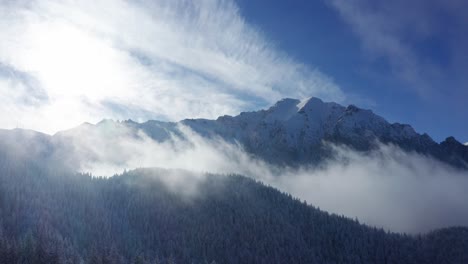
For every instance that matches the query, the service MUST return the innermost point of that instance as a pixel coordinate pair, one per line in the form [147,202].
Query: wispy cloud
[423,42]
[140,59]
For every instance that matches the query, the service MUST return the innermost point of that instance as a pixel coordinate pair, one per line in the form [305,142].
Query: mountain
[170,216]
[294,132]
[291,132]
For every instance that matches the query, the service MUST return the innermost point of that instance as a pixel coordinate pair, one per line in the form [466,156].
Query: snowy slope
[294,132]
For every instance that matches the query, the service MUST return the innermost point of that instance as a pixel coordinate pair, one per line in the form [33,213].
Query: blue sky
[67,62]
[431,35]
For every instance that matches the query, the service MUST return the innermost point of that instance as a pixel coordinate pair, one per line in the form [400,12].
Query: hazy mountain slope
[176,217]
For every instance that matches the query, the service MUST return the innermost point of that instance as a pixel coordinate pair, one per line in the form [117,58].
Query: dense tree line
[51,216]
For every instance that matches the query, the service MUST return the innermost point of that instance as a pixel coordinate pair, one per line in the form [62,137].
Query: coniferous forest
[48,215]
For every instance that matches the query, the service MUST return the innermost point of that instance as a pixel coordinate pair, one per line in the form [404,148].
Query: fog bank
[387,187]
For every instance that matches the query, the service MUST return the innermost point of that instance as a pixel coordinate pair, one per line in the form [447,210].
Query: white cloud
[388,187]
[141,60]
[417,49]
[423,49]
[380,36]
[113,147]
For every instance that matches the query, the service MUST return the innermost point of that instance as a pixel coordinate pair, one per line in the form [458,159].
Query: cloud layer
[387,188]
[66,62]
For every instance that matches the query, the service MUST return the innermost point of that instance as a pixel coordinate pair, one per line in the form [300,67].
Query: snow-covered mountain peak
[314,104]
[105,122]
[454,142]
[309,102]
[354,116]
[282,110]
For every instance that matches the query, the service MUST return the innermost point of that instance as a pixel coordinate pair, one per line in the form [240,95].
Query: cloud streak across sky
[423,42]
[66,62]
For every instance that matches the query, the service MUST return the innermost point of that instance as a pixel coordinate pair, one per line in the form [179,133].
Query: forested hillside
[142,217]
